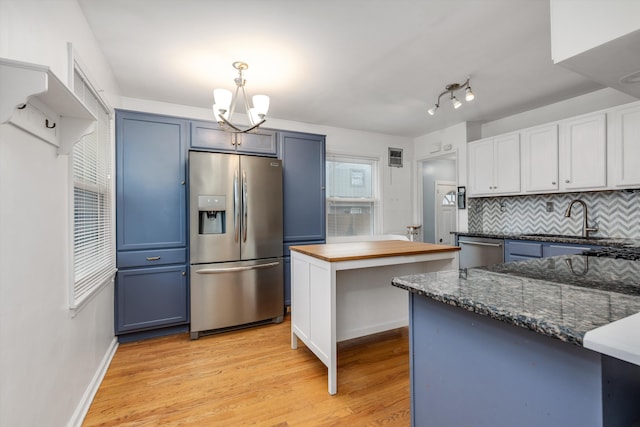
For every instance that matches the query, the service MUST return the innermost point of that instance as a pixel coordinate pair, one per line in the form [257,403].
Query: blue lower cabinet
[151,297]
[518,250]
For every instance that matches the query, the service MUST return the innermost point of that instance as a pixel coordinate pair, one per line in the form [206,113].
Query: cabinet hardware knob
[153,258]
[184,274]
[567,181]
[553,183]
[182,182]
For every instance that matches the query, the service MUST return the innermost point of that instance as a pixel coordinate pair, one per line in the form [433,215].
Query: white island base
[343,291]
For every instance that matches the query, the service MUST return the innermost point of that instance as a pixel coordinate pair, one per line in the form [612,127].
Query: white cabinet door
[481,168]
[540,159]
[494,166]
[583,153]
[506,164]
[624,146]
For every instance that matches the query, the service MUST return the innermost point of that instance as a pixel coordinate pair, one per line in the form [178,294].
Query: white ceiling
[374,65]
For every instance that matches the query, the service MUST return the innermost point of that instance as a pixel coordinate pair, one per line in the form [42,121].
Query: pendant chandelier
[450,89]
[224,105]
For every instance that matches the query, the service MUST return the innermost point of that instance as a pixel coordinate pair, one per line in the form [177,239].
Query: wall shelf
[37,101]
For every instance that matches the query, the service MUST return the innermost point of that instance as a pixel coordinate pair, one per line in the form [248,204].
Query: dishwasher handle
[234,269]
[493,245]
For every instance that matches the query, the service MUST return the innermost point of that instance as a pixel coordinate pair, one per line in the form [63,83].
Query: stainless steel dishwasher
[479,251]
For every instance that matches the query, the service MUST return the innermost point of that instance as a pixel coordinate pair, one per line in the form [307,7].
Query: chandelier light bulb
[218,111]
[455,102]
[222,98]
[469,95]
[432,110]
[261,104]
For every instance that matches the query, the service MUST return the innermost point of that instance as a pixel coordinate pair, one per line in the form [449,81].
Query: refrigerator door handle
[233,269]
[236,208]
[244,205]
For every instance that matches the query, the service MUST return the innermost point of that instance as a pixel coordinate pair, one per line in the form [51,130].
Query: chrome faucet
[585,225]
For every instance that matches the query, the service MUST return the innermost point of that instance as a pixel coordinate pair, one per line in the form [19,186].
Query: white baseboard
[348,334]
[85,403]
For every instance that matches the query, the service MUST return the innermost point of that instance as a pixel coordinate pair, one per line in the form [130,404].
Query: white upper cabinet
[624,146]
[583,153]
[540,159]
[494,166]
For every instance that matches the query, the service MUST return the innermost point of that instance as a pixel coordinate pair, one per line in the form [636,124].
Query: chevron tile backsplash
[616,212]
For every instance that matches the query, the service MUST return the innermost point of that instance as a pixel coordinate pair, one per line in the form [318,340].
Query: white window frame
[374,200]
[102,271]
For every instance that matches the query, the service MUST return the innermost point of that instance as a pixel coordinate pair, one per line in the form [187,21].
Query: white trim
[76,306]
[378,184]
[75,65]
[82,409]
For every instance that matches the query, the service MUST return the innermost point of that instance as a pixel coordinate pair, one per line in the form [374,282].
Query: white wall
[579,25]
[49,361]
[397,183]
[590,102]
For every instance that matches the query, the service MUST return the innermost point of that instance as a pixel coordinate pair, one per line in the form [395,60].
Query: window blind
[93,225]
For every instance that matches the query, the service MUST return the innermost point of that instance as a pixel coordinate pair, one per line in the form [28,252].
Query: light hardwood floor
[252,377]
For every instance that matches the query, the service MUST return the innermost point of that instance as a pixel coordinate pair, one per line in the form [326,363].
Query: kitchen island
[551,341]
[341,291]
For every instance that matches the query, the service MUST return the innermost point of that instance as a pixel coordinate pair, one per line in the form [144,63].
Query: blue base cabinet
[522,250]
[468,369]
[168,306]
[303,171]
[151,290]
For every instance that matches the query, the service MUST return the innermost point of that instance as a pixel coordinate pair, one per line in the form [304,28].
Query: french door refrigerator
[235,230]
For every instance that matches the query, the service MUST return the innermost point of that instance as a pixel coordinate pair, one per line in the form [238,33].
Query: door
[481,165]
[151,297]
[445,205]
[150,181]
[583,153]
[214,207]
[261,204]
[506,164]
[540,159]
[303,160]
[235,293]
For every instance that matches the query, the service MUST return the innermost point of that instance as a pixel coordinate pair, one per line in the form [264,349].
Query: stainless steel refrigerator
[235,223]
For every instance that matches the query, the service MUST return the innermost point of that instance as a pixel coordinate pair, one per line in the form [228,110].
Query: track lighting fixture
[450,89]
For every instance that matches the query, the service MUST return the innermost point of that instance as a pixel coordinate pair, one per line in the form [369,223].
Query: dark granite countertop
[558,238]
[562,297]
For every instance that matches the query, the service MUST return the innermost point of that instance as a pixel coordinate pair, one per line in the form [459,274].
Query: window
[351,196]
[449,199]
[93,224]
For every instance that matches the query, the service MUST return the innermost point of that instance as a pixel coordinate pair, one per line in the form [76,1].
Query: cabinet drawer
[524,249]
[151,257]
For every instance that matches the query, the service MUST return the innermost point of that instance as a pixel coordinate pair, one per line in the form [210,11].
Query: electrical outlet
[549,206]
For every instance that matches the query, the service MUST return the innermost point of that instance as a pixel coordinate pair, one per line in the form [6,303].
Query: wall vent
[395,157]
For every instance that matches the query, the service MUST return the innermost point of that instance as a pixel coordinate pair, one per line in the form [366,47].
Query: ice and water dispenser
[211,214]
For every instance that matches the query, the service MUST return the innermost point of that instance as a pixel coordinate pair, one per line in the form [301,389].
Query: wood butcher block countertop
[334,252]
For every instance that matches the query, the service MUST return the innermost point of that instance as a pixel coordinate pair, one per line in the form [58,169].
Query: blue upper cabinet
[207,136]
[151,181]
[303,168]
